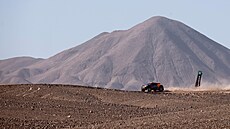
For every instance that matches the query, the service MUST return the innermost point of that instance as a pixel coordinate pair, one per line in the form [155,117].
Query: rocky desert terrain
[68,106]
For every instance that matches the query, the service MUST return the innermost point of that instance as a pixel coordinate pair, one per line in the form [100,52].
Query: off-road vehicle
[152,86]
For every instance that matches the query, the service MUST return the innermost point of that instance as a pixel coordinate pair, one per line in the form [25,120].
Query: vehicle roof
[152,82]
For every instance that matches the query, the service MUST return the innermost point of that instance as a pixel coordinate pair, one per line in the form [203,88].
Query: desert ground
[67,106]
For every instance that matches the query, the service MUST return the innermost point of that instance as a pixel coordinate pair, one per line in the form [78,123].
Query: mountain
[159,49]
[14,70]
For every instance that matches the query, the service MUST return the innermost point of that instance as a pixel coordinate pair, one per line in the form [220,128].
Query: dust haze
[203,87]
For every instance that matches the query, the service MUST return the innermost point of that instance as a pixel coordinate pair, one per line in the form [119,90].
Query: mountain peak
[159,18]
[154,23]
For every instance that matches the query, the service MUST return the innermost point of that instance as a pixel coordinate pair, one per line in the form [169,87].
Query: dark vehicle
[152,86]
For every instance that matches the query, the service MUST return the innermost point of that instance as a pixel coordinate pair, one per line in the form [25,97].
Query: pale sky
[43,28]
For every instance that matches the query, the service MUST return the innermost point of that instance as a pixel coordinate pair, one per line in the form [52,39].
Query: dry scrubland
[65,106]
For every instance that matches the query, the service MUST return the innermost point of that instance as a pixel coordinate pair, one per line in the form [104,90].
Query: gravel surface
[67,106]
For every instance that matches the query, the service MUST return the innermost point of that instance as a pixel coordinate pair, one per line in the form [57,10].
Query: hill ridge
[158,49]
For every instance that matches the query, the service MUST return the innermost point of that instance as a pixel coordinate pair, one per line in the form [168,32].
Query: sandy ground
[65,106]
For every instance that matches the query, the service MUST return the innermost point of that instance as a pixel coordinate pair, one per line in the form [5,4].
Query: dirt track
[58,106]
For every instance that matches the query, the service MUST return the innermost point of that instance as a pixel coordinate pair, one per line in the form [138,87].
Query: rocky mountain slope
[159,49]
[14,70]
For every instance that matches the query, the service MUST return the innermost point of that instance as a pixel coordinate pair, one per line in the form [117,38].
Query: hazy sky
[42,28]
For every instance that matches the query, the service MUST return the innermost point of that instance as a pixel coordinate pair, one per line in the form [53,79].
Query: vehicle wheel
[161,88]
[143,90]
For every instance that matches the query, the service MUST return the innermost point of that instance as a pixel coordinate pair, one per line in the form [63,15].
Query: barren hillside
[158,49]
[69,106]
